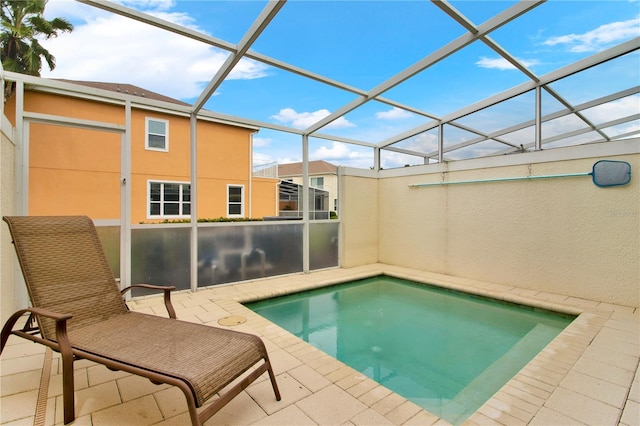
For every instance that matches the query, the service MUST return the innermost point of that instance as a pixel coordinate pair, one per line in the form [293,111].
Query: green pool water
[446,351]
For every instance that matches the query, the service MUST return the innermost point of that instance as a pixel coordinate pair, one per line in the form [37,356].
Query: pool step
[476,393]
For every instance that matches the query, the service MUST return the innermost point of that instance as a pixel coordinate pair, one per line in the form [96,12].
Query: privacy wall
[562,235]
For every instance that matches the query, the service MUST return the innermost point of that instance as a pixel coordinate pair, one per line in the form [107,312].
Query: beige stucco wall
[7,207]
[563,235]
[359,215]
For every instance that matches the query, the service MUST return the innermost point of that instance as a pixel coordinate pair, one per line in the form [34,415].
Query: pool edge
[536,382]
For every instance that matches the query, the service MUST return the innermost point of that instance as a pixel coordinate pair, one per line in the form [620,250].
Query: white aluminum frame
[480,33]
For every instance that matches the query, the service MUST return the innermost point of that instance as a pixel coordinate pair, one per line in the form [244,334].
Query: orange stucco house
[78,170]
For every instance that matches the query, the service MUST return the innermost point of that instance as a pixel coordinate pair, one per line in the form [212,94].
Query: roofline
[310,174]
[80,91]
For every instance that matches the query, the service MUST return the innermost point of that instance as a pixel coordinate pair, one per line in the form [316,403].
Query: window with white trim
[157,134]
[317,182]
[235,200]
[169,200]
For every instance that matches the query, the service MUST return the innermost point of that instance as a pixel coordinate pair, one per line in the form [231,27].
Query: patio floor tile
[18,406]
[582,408]
[288,416]
[631,414]
[403,412]
[309,378]
[291,391]
[141,411]
[171,402]
[370,417]
[592,387]
[96,398]
[21,382]
[331,406]
[601,370]
[388,403]
[242,410]
[547,417]
[423,418]
[21,364]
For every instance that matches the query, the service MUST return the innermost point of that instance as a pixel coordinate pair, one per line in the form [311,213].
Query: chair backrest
[65,269]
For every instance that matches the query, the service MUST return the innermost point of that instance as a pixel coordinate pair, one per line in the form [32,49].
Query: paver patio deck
[587,375]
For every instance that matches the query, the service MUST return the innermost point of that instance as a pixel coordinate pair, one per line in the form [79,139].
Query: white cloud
[70,10]
[337,151]
[302,120]
[148,4]
[261,142]
[107,47]
[391,160]
[334,152]
[502,64]
[624,107]
[394,113]
[260,158]
[344,155]
[600,38]
[424,142]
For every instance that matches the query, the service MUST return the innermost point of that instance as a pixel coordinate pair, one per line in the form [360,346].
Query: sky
[361,44]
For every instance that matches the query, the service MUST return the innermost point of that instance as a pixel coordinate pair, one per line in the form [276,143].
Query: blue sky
[358,43]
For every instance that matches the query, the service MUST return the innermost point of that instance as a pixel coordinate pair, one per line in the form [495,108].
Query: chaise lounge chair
[81,314]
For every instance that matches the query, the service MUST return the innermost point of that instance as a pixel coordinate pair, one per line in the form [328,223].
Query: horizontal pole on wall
[420,185]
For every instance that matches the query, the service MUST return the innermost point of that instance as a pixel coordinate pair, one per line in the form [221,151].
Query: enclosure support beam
[125,201]
[22,153]
[193,143]
[305,204]
[538,128]
[21,164]
[440,143]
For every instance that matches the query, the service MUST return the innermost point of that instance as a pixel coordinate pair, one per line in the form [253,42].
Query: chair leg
[272,377]
[68,388]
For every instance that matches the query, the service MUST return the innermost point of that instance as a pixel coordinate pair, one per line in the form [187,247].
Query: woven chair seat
[208,358]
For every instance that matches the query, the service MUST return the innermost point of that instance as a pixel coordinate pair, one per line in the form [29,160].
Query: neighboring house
[291,201]
[74,170]
[322,175]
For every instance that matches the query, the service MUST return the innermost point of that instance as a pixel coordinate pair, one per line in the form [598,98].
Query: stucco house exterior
[77,170]
[322,175]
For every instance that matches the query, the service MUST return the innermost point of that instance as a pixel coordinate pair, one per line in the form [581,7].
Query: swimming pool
[446,351]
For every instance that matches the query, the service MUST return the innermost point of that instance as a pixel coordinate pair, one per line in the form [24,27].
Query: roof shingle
[318,167]
[129,89]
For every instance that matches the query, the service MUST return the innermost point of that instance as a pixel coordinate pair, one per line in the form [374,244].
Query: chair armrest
[167,295]
[62,343]
[50,314]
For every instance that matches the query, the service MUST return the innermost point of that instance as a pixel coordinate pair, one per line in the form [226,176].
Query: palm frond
[22,23]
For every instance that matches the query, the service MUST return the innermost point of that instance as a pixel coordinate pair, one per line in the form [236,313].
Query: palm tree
[23,24]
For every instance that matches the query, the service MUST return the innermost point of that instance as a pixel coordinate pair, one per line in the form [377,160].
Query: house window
[157,135]
[317,182]
[169,199]
[235,201]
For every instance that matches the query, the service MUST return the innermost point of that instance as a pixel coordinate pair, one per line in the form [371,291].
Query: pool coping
[449,288]
[523,398]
